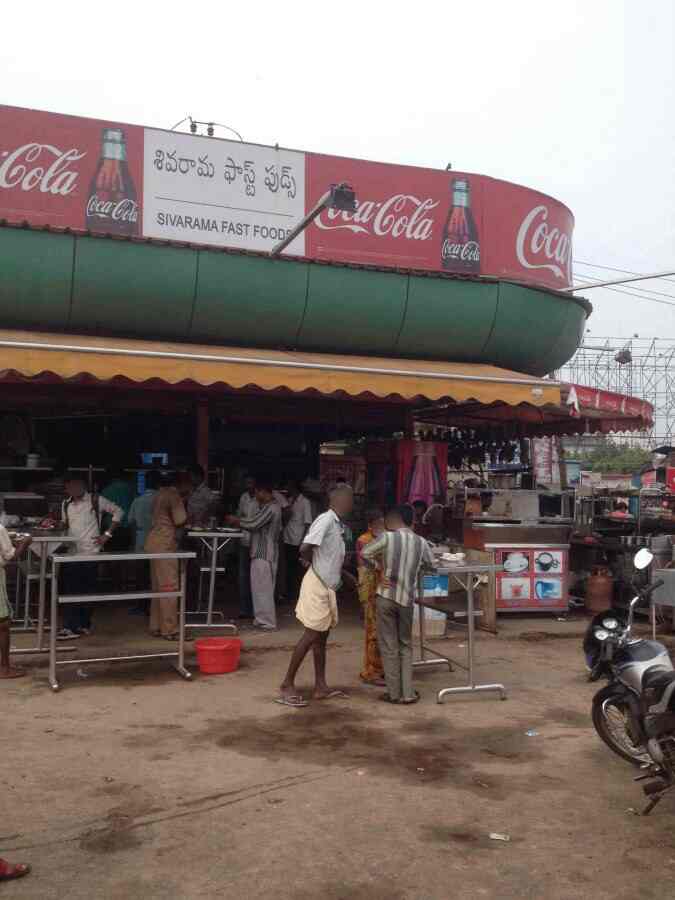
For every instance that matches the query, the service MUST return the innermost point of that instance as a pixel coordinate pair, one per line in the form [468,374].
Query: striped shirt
[265,528]
[403,554]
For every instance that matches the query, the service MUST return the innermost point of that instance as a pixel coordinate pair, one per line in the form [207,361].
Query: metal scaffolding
[649,374]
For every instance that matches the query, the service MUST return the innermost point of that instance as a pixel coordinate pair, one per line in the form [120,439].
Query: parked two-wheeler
[635,713]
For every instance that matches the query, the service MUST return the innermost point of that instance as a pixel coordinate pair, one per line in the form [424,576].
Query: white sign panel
[209,191]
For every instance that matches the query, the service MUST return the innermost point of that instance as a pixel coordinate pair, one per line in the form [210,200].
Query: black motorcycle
[635,714]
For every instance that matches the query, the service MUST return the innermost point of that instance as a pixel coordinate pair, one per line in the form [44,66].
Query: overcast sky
[573,98]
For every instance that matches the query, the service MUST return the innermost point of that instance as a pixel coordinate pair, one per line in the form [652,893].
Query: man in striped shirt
[403,554]
[264,526]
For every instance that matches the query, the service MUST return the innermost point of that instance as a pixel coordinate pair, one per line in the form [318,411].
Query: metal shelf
[26,469]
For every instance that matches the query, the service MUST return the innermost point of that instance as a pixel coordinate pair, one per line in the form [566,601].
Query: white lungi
[317,605]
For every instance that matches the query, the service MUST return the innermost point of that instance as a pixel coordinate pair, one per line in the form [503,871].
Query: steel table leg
[26,608]
[212,581]
[42,590]
[471,687]
[180,664]
[53,683]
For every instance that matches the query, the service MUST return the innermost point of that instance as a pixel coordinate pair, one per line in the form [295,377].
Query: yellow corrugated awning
[70,358]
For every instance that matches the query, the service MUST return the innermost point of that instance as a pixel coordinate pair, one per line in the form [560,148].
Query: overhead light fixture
[342,197]
[339,196]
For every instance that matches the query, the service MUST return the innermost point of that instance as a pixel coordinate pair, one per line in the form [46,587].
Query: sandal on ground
[10,871]
[407,701]
[374,682]
[294,702]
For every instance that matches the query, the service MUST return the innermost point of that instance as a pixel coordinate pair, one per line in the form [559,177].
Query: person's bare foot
[12,673]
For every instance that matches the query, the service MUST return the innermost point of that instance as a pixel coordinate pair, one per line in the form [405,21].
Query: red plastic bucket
[216,656]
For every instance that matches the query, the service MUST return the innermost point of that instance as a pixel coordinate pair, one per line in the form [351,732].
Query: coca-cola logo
[402,215]
[540,246]
[40,166]
[469,251]
[124,210]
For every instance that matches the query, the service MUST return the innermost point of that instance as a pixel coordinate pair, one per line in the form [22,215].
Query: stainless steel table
[45,543]
[60,599]
[214,541]
[469,571]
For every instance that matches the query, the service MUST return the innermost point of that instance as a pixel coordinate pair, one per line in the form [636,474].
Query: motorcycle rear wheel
[611,720]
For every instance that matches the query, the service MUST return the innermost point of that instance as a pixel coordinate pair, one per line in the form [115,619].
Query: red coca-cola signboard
[92,175]
[441,221]
[70,172]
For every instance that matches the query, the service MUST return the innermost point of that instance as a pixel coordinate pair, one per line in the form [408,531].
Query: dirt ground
[132,783]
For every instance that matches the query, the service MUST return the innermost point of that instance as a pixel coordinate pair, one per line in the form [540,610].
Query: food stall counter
[535,561]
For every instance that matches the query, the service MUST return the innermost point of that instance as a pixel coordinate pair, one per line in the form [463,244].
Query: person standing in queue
[369,577]
[402,554]
[419,508]
[264,526]
[298,518]
[323,552]
[119,491]
[201,499]
[168,516]
[81,513]
[140,522]
[8,552]
[247,508]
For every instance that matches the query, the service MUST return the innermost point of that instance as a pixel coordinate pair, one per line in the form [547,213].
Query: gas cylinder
[599,590]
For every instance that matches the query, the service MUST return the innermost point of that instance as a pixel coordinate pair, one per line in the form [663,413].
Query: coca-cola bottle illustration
[112,205]
[460,250]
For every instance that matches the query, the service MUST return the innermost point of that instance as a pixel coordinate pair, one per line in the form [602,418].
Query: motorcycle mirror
[643,558]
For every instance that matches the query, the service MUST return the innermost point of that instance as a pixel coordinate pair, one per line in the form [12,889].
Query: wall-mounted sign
[91,175]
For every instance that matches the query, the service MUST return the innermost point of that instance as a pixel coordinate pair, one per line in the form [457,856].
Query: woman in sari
[369,576]
[168,515]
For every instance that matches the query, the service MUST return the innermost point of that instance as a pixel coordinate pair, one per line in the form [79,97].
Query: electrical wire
[642,290]
[640,296]
[580,262]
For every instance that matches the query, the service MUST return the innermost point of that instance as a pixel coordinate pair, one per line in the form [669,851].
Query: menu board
[533,578]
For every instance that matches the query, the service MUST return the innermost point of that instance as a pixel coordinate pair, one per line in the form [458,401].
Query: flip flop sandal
[334,695]
[387,699]
[408,701]
[293,702]
[9,872]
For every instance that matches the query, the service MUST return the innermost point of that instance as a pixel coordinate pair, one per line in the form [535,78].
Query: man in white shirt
[248,507]
[298,518]
[81,513]
[323,551]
